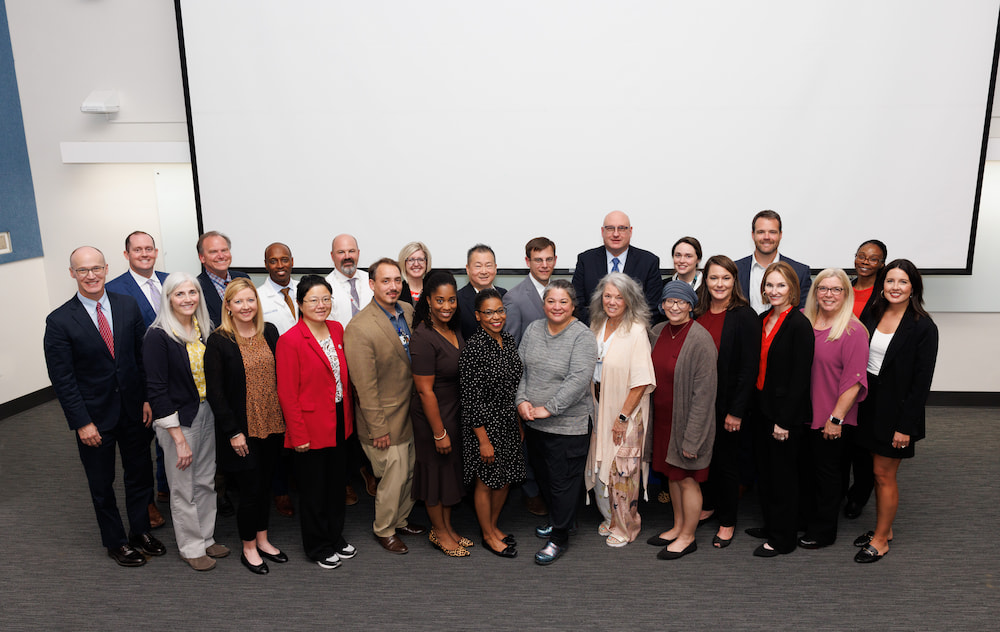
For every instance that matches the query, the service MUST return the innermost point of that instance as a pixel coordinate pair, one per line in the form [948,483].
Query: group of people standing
[573,388]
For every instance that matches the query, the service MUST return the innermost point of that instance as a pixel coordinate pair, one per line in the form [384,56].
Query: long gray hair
[636,309]
[167,320]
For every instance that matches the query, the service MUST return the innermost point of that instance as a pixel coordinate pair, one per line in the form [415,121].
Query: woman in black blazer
[735,328]
[782,408]
[173,356]
[249,429]
[901,361]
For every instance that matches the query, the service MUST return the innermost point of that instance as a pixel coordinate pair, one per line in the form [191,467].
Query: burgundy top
[713,323]
[664,362]
[837,366]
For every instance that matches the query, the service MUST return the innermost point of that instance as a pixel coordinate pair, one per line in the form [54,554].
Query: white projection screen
[454,122]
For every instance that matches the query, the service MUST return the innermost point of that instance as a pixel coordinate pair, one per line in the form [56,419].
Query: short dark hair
[561,284]
[307,283]
[916,295]
[479,248]
[277,243]
[486,295]
[422,310]
[384,261]
[691,241]
[736,298]
[128,240]
[765,214]
[212,233]
[539,243]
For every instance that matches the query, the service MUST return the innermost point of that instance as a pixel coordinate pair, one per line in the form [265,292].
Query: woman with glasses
[415,262]
[489,370]
[868,262]
[315,393]
[838,382]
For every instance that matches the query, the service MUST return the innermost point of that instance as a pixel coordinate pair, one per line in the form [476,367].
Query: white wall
[64,50]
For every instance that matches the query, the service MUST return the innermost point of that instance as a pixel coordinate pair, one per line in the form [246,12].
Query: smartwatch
[836,421]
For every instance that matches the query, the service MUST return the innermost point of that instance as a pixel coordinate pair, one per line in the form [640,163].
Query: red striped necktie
[105,329]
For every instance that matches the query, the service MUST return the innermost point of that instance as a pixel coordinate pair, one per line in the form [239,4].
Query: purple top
[837,366]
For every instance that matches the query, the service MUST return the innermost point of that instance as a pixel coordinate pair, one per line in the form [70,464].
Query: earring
[229,312]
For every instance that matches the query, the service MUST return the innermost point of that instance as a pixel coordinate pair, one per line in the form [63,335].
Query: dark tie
[355,299]
[614,264]
[105,329]
[154,296]
[288,300]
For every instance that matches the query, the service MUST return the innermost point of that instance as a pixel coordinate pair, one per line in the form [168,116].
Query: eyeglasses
[488,313]
[675,302]
[616,229]
[417,260]
[836,291]
[864,259]
[326,300]
[84,272]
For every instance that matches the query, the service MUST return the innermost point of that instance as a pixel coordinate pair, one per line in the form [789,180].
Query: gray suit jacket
[524,306]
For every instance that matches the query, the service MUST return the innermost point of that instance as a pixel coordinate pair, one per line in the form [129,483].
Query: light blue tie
[614,264]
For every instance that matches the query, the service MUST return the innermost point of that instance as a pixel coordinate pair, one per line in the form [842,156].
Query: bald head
[616,232]
[88,267]
[345,254]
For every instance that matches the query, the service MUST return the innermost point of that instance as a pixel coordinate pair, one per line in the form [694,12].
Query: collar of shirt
[142,281]
[694,282]
[90,305]
[278,288]
[756,276]
[219,282]
[538,286]
[621,260]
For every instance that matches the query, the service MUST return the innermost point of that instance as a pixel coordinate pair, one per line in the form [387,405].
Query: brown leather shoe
[371,483]
[393,544]
[535,505]
[350,496]
[217,550]
[284,505]
[411,529]
[203,563]
[156,519]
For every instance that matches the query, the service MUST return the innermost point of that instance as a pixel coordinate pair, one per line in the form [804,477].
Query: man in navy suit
[93,351]
[143,283]
[616,255]
[766,232]
[481,268]
[214,254]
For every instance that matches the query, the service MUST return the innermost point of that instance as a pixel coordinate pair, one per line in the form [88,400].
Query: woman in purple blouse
[839,382]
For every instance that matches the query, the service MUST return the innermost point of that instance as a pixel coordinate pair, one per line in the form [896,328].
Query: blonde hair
[845,315]
[411,248]
[167,320]
[228,328]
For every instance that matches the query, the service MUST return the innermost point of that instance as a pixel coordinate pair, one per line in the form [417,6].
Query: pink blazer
[307,389]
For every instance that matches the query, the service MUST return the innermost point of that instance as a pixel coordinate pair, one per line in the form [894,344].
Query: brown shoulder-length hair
[792,279]
[228,328]
[736,298]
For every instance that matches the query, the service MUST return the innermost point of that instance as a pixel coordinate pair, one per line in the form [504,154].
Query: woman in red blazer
[315,395]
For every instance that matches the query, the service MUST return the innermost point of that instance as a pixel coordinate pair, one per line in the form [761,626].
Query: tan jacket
[380,373]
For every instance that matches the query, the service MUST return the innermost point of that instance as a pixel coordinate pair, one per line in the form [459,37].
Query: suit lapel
[383,324]
[87,326]
[899,339]
[313,345]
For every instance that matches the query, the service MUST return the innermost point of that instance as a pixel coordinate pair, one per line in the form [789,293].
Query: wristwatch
[623,419]
[836,421]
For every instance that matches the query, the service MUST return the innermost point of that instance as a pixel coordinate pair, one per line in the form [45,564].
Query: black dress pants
[559,462]
[778,477]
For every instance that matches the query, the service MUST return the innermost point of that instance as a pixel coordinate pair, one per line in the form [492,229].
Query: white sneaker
[347,552]
[331,562]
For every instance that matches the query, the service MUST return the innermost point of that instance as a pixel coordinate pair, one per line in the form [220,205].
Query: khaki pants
[394,466]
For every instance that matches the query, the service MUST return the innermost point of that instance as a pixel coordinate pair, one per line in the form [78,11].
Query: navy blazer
[92,386]
[739,360]
[125,284]
[801,270]
[169,381]
[524,306]
[467,308]
[785,399]
[592,266]
[904,381]
[211,296]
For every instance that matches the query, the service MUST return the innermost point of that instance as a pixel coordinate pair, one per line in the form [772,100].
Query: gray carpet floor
[943,572]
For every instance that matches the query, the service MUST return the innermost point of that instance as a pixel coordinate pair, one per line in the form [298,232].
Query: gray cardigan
[695,377]
[557,374]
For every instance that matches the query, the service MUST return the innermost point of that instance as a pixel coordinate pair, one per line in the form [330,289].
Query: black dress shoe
[667,554]
[412,529]
[147,544]
[719,543]
[256,569]
[125,555]
[869,555]
[809,543]
[852,509]
[756,532]
[278,557]
[763,551]
[658,541]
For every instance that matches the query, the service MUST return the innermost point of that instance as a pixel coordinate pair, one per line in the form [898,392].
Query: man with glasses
[766,232]
[93,351]
[481,268]
[616,255]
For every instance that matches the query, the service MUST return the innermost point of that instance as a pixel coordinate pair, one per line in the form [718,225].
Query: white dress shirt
[341,285]
[274,307]
[143,284]
[756,277]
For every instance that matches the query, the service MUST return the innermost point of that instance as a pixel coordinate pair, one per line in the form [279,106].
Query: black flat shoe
[865,539]
[869,555]
[719,543]
[756,532]
[763,551]
[256,569]
[807,543]
[667,554]
[509,552]
[278,557]
[508,539]
[852,509]
[658,541]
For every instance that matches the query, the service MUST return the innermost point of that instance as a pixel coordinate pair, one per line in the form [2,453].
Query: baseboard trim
[964,399]
[26,402]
